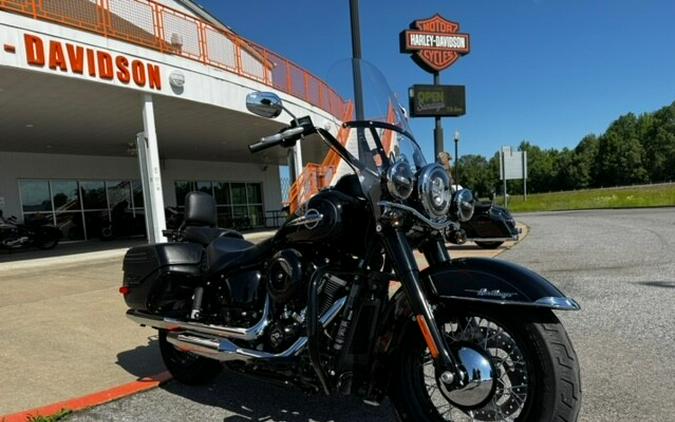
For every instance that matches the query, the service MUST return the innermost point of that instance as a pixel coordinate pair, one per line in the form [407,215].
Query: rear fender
[495,282]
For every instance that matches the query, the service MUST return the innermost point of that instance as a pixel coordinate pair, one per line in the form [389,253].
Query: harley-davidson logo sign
[435,42]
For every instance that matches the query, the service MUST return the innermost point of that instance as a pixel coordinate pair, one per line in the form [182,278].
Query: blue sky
[549,71]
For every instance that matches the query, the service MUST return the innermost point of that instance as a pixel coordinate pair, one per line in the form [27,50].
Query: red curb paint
[92,400]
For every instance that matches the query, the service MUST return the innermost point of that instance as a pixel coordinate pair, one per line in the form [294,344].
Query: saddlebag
[161,277]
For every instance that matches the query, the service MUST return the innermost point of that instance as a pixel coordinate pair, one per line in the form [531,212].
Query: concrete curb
[91,400]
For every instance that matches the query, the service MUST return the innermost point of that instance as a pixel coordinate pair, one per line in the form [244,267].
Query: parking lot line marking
[92,400]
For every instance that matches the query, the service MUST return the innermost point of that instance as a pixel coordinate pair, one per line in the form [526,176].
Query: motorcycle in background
[15,236]
[489,225]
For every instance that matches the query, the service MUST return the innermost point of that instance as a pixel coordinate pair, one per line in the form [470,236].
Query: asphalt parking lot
[620,265]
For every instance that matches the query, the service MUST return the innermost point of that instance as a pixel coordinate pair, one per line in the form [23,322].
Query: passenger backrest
[200,210]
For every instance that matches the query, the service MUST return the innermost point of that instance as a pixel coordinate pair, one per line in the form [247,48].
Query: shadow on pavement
[248,399]
[661,284]
[142,361]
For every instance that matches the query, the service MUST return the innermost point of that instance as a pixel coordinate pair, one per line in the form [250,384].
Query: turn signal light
[125,290]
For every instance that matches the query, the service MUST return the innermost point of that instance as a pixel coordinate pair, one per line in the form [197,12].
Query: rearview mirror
[265,104]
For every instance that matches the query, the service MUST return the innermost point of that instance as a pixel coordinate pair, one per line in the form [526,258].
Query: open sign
[437,100]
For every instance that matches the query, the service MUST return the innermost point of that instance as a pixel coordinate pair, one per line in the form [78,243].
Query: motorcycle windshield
[377,133]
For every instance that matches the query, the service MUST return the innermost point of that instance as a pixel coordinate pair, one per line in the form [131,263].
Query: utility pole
[356,73]
[456,160]
[438,129]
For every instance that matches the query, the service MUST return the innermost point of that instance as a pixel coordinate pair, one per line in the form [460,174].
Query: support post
[297,159]
[503,157]
[438,129]
[456,160]
[525,175]
[151,177]
[290,160]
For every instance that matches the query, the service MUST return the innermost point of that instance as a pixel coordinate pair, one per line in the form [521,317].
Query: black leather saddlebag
[160,277]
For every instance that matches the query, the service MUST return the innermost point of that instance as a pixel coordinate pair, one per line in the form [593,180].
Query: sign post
[436,44]
[512,166]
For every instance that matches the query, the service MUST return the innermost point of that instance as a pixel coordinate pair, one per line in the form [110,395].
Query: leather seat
[206,235]
[227,253]
[201,215]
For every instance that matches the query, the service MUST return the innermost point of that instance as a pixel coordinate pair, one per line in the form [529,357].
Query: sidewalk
[64,331]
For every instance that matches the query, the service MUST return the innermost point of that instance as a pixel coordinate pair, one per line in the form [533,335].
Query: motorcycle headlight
[463,205]
[400,180]
[434,190]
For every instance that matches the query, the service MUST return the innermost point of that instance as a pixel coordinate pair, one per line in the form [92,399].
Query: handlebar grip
[274,140]
[267,142]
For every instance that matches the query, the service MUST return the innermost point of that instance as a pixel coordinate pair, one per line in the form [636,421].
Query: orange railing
[154,25]
[315,177]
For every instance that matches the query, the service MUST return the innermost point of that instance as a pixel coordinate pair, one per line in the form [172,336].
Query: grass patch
[61,416]
[627,197]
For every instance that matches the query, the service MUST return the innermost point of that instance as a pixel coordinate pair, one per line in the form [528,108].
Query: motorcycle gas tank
[326,216]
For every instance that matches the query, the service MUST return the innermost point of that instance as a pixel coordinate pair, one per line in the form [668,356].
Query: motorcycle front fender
[495,282]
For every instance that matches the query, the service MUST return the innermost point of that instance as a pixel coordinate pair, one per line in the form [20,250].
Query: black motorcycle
[489,227]
[464,339]
[16,236]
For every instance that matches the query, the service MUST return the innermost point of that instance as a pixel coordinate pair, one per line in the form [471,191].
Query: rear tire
[552,391]
[186,367]
[489,245]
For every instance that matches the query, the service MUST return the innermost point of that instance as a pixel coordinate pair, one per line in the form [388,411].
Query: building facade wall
[16,166]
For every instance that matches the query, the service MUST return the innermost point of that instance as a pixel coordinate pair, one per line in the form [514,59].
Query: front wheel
[535,371]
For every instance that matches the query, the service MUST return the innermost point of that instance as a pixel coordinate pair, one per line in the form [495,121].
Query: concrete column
[297,155]
[151,176]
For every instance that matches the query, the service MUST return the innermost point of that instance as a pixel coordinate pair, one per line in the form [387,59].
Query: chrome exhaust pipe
[224,350]
[171,324]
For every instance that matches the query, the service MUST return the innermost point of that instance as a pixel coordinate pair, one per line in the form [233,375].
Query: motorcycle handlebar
[274,140]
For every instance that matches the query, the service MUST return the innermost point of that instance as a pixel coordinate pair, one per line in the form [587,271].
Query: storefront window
[39,218]
[93,195]
[71,225]
[35,195]
[240,205]
[222,193]
[254,193]
[66,195]
[183,187]
[205,187]
[256,215]
[137,188]
[119,194]
[239,193]
[225,216]
[82,209]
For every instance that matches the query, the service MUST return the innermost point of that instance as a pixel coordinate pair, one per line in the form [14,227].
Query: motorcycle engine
[288,275]
[285,275]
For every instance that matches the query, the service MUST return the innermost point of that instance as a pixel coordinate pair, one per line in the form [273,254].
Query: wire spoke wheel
[511,377]
[533,369]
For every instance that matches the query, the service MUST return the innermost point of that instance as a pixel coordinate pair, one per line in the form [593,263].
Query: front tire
[186,367]
[546,386]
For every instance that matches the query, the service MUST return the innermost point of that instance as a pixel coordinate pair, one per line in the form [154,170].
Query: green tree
[474,173]
[621,156]
[542,166]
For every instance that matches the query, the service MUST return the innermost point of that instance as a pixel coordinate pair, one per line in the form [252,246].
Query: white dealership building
[99,98]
